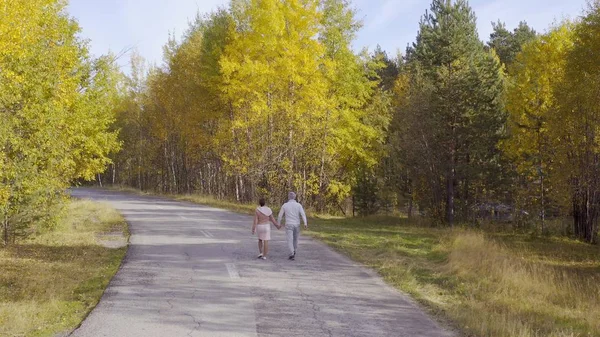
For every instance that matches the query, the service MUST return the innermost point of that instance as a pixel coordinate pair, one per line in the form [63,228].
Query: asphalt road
[191,270]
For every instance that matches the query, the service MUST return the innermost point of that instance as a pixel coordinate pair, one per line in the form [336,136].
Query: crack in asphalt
[197,322]
[315,310]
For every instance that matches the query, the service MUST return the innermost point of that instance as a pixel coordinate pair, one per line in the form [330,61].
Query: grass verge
[488,285]
[500,285]
[49,283]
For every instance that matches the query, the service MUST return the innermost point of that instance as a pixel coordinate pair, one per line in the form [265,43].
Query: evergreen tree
[453,106]
[508,44]
[389,70]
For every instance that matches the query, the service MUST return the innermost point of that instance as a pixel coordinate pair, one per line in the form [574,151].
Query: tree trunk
[450,180]
[303,192]
[543,197]
[576,208]
[173,173]
[292,159]
[542,188]
[237,188]
[242,189]
[466,214]
[450,198]
[5,229]
[585,215]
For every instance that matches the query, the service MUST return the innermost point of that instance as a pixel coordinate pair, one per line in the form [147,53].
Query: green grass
[485,284]
[49,283]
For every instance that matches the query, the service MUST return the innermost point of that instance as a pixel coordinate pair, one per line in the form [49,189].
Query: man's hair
[291,196]
[261,201]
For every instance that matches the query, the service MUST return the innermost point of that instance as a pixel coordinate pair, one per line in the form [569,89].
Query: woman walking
[263,217]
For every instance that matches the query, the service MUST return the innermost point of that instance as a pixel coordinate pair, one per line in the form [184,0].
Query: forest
[268,96]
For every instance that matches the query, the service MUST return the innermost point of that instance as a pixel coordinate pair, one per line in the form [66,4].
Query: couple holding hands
[263,217]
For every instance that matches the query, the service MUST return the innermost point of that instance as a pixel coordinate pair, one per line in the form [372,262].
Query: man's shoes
[292,257]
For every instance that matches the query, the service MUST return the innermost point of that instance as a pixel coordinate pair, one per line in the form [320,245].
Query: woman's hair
[261,202]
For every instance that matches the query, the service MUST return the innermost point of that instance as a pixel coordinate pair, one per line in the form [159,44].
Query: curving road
[192,271]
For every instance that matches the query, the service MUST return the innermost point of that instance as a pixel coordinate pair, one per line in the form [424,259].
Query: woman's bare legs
[260,246]
[265,248]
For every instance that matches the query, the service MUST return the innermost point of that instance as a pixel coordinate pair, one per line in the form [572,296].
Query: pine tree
[508,44]
[454,94]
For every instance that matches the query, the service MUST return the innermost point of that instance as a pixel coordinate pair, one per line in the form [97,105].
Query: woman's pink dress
[263,227]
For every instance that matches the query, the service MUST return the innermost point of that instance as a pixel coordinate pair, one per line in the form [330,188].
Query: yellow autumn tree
[532,104]
[55,110]
[276,91]
[261,98]
[577,127]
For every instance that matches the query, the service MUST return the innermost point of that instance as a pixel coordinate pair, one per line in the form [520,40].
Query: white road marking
[232,270]
[206,233]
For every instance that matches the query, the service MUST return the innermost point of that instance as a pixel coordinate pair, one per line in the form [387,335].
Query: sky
[144,25]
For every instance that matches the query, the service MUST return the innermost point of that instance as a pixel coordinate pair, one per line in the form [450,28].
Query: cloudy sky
[118,25]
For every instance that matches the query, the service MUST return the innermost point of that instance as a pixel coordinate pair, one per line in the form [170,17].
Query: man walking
[292,211]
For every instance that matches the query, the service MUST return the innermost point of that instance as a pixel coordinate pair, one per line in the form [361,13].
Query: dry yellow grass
[50,282]
[500,286]
[512,294]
